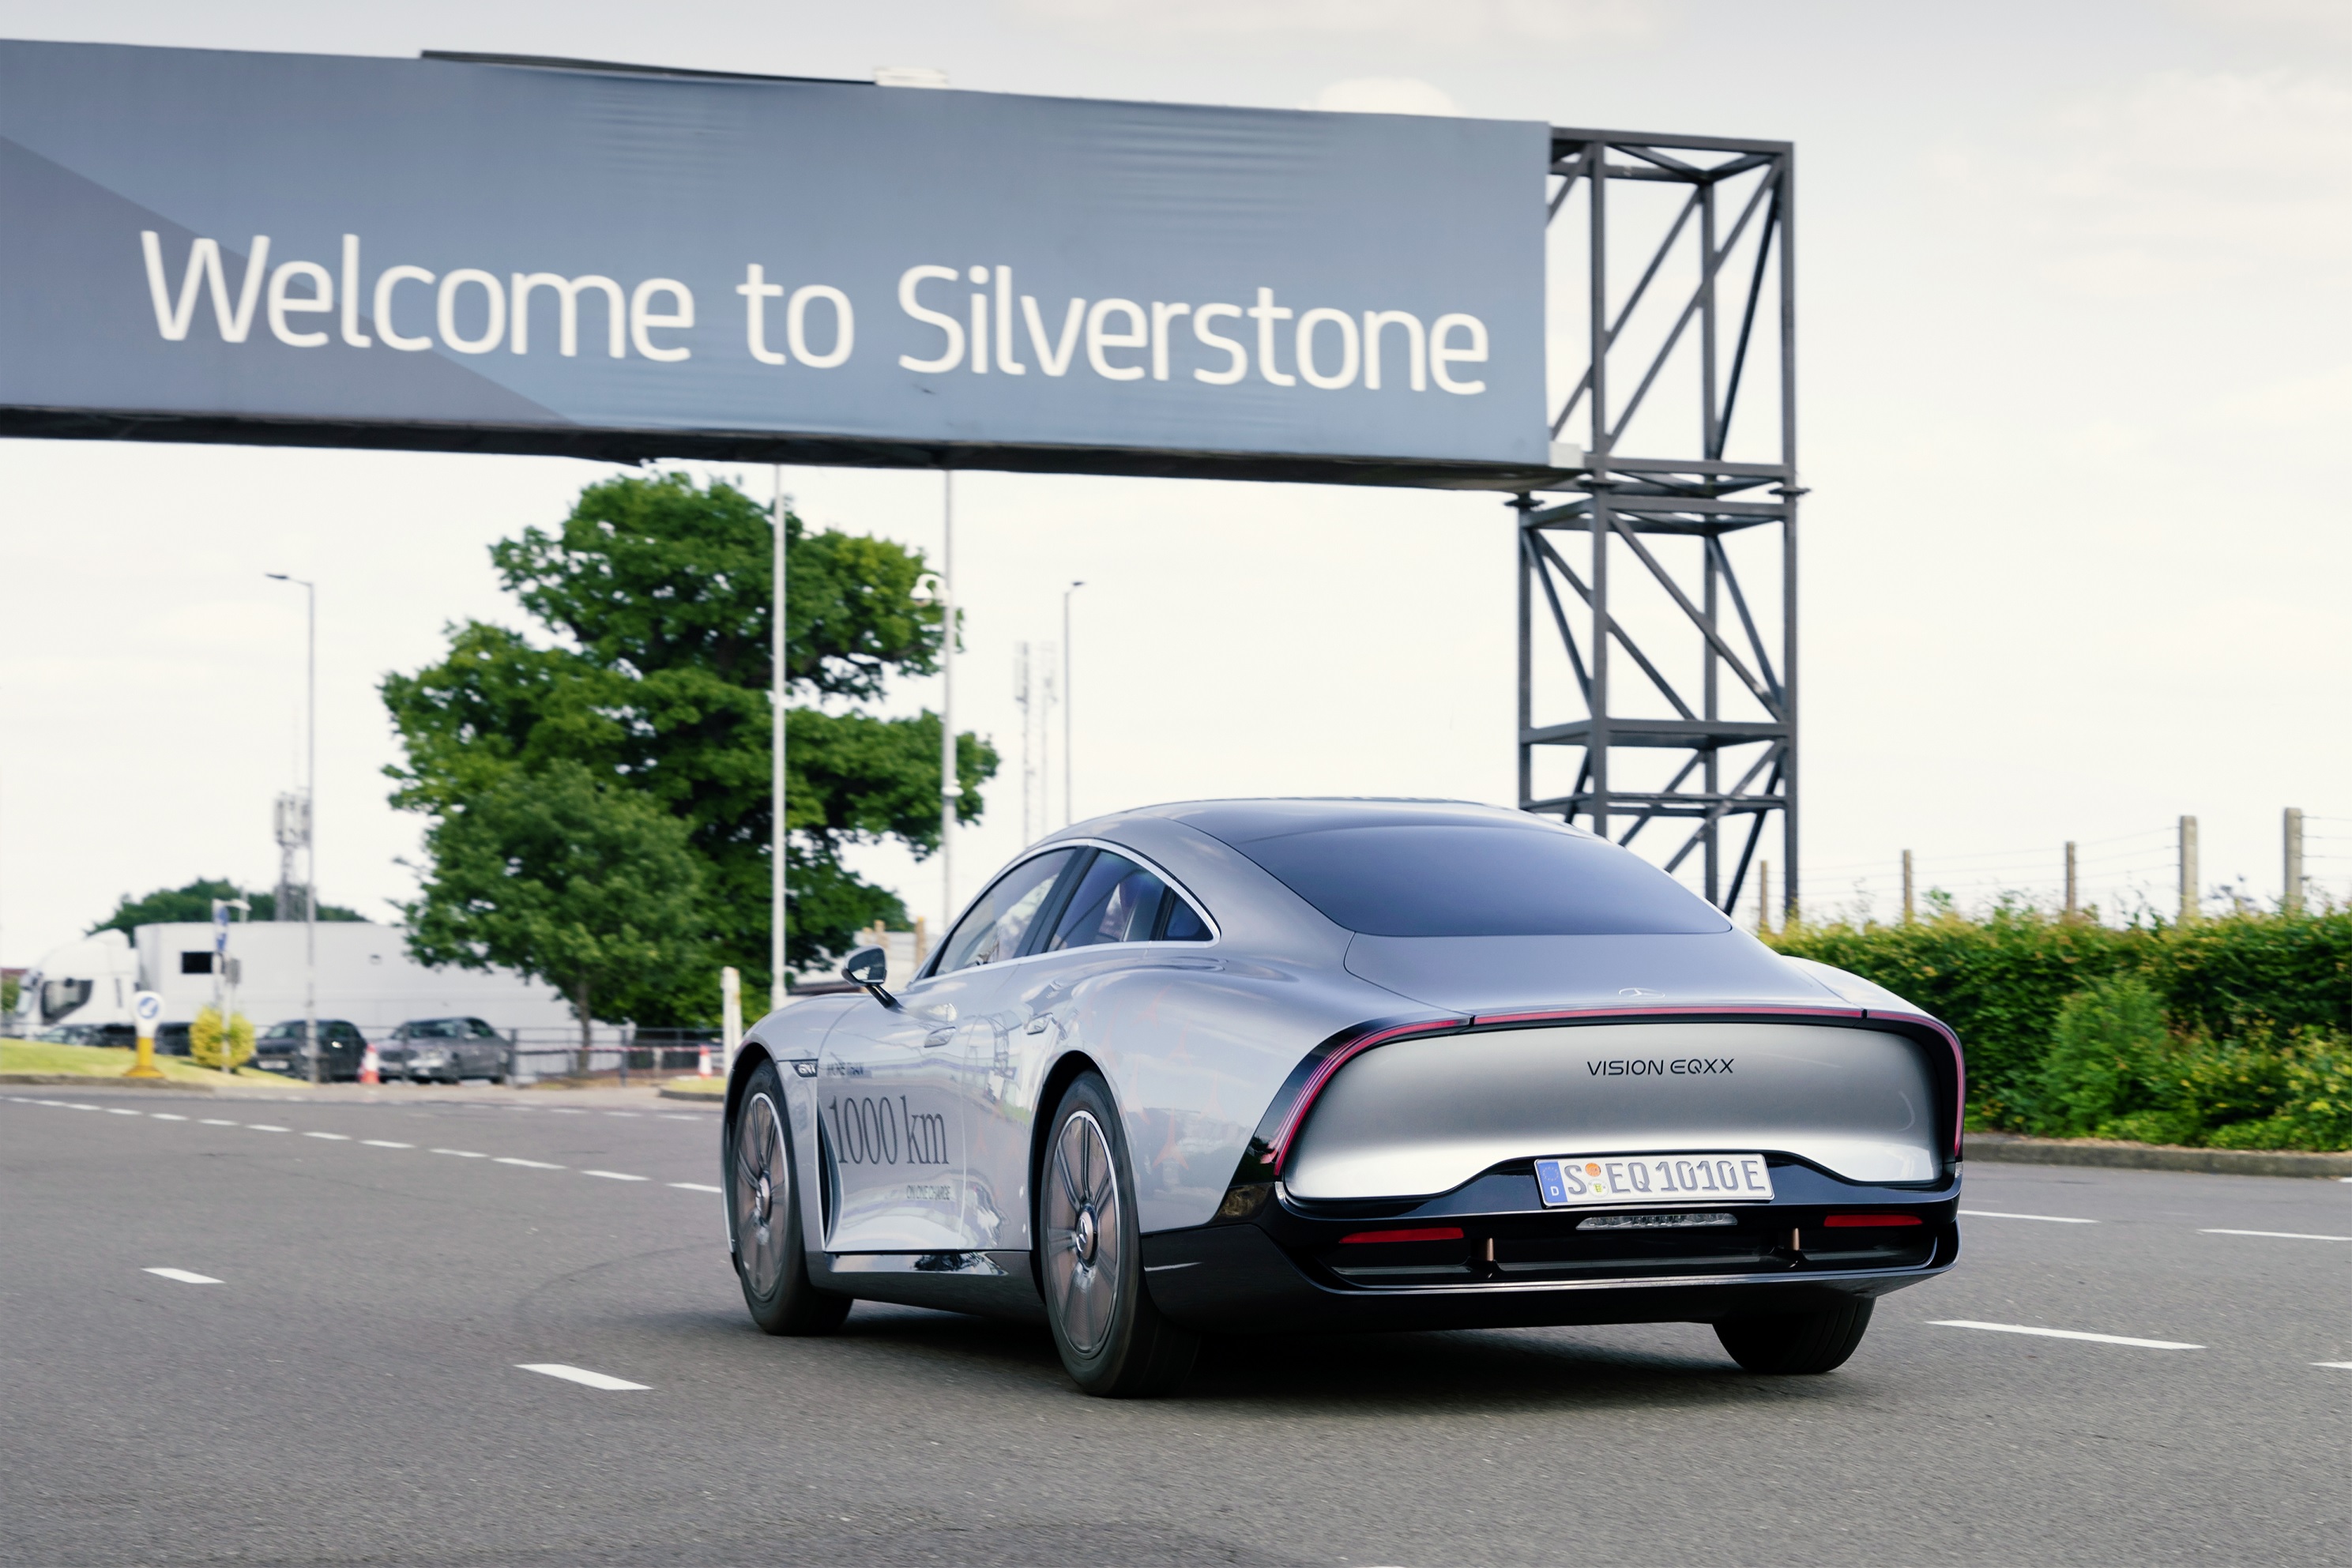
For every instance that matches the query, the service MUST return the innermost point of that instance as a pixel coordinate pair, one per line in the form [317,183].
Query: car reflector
[1428,1233]
[1855,1221]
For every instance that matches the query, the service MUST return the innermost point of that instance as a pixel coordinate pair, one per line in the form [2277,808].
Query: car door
[1109,904]
[890,1101]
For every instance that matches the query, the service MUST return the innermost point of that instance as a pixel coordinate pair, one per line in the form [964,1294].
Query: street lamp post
[1069,807]
[309,826]
[949,787]
[778,868]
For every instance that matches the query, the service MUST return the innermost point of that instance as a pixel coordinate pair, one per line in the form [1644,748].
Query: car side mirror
[867,966]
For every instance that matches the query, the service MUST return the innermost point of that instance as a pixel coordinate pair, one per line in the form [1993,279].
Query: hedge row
[2248,994]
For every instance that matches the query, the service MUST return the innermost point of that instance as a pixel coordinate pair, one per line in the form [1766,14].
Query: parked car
[340,1046]
[1250,1066]
[445,1051]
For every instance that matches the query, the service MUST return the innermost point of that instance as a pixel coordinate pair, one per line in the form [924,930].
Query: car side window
[1181,923]
[992,931]
[1116,901]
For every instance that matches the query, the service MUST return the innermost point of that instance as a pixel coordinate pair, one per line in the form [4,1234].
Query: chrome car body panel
[1420,1115]
[1245,1058]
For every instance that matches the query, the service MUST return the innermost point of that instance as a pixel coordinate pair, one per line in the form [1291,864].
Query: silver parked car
[445,1051]
[1249,1065]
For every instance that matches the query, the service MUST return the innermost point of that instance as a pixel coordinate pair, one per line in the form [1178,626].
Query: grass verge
[110,1061]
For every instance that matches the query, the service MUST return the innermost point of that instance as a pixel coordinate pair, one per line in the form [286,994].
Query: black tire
[763,1216]
[1798,1343]
[1114,1342]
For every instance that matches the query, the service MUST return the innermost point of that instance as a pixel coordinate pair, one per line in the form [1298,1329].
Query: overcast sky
[2074,369]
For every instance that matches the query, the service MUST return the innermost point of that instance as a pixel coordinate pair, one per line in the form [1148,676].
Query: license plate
[1578,1181]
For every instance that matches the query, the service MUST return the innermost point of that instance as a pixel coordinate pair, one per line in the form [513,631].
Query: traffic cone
[370,1068]
[702,1065]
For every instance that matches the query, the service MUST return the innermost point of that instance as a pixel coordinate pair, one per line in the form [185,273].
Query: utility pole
[949,785]
[1907,908]
[307,828]
[1069,807]
[2073,889]
[2187,870]
[779,833]
[2291,897]
[1763,898]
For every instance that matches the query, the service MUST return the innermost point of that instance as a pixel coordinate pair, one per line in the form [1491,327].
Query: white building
[364,974]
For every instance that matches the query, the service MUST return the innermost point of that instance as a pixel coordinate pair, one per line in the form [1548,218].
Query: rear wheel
[1783,1342]
[1113,1340]
[763,1215]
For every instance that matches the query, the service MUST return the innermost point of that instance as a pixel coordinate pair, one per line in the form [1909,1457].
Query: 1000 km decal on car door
[874,1131]
[1573,1180]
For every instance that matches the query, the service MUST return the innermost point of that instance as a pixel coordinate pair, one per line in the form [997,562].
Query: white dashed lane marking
[185,1276]
[528,1164]
[579,1375]
[217,1122]
[2337,1366]
[264,1127]
[2063,1334]
[463,1154]
[2277,1235]
[385,1143]
[119,1111]
[331,1137]
[695,1187]
[2045,1218]
[614,1176]
[165,1117]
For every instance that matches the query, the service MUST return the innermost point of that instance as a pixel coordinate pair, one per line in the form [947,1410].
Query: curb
[2007,1149]
[97,1080]
[691,1097]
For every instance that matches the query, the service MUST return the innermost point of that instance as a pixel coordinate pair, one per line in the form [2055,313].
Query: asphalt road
[352,1389]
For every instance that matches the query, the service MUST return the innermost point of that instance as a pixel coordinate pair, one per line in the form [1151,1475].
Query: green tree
[2108,1057]
[651,667]
[582,882]
[195,903]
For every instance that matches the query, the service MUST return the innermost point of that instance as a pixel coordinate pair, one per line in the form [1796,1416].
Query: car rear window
[1475,880]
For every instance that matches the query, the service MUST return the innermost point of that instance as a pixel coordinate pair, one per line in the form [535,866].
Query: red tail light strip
[1331,1064]
[1427,1233]
[1869,1221]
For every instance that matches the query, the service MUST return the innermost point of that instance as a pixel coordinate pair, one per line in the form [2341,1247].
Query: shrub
[204,1039]
[2108,1056]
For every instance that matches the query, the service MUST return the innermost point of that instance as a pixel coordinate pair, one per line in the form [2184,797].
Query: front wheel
[1796,1343]
[1113,1340]
[763,1216]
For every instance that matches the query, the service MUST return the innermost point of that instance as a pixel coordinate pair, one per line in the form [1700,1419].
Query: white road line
[2063,1334]
[463,1153]
[567,1111]
[2339,1365]
[2277,1235]
[71,1106]
[119,1111]
[386,1143]
[576,1375]
[52,1104]
[620,1112]
[184,1276]
[264,1127]
[331,1137]
[695,1187]
[217,1122]
[2047,1219]
[528,1164]
[614,1176]
[165,1117]
[677,1116]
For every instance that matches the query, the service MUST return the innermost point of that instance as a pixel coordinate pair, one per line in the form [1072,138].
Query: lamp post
[1069,807]
[949,787]
[778,833]
[309,825]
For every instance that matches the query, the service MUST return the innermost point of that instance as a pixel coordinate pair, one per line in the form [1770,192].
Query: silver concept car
[1239,1066]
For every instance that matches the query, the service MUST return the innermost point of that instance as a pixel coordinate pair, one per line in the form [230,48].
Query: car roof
[1240,822]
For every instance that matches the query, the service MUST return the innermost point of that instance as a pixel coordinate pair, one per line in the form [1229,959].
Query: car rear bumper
[1509,1262]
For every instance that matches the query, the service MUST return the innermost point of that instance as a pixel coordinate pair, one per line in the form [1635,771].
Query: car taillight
[1855,1221]
[1427,1233]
